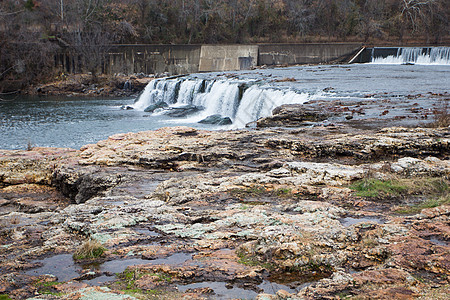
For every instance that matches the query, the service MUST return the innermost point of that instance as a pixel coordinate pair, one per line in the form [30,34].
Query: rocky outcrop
[172,148]
[265,214]
[82,184]
[32,166]
[293,115]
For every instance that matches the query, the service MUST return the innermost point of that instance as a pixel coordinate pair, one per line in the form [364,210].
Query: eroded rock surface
[193,214]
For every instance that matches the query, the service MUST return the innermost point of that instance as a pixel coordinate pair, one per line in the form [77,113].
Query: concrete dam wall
[182,59]
[291,54]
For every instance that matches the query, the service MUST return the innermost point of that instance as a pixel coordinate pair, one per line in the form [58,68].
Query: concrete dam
[183,59]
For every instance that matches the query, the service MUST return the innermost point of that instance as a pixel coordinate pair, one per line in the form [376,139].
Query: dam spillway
[405,55]
[240,101]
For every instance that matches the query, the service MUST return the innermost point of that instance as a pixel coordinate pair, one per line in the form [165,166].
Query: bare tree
[90,47]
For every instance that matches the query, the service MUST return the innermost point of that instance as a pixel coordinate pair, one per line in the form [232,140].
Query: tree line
[31,30]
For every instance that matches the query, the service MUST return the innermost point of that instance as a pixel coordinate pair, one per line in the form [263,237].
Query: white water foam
[420,56]
[224,97]
[257,103]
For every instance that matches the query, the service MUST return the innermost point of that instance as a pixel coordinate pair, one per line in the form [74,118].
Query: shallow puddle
[221,290]
[224,290]
[174,259]
[272,287]
[98,281]
[348,221]
[118,266]
[147,232]
[62,266]
[437,241]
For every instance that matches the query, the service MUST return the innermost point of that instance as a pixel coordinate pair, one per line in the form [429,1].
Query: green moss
[283,191]
[4,297]
[313,266]
[374,188]
[47,283]
[145,294]
[133,291]
[162,277]
[254,190]
[46,292]
[47,287]
[253,261]
[127,281]
[129,278]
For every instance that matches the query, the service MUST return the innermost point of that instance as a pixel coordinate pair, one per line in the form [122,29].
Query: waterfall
[413,55]
[241,101]
[257,102]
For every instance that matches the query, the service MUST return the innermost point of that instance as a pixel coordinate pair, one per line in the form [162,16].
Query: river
[243,96]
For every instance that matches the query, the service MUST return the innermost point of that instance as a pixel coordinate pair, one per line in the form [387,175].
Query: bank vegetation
[32,31]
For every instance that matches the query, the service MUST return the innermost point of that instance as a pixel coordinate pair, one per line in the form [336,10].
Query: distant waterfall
[413,55]
[241,101]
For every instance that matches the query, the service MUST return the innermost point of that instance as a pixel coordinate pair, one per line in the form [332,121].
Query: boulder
[292,115]
[216,120]
[155,106]
[182,111]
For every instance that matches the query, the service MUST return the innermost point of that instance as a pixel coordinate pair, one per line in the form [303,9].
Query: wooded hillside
[31,30]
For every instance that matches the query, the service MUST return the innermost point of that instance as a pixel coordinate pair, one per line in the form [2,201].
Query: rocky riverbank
[87,85]
[325,212]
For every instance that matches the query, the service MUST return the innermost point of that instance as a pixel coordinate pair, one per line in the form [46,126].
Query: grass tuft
[374,188]
[441,115]
[434,190]
[90,249]
[29,146]
[429,203]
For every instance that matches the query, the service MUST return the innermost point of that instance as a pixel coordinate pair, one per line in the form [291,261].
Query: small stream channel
[65,269]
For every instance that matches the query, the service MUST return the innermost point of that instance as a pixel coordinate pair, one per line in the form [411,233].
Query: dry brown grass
[89,249]
[441,114]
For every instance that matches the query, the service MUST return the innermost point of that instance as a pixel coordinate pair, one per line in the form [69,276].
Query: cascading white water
[257,102]
[222,99]
[242,102]
[156,91]
[413,55]
[188,90]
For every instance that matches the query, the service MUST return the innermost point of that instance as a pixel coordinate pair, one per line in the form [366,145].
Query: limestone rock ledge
[244,209]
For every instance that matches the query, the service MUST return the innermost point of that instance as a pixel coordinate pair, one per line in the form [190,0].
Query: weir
[240,101]
[405,55]
[184,59]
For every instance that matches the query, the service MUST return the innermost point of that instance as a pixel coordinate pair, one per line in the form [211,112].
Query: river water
[242,96]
